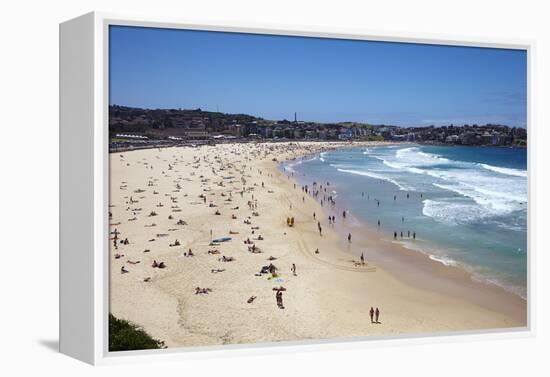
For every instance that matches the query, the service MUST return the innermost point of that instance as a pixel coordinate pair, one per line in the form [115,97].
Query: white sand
[330,296]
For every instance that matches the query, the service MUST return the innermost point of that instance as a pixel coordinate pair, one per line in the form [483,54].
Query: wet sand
[329,297]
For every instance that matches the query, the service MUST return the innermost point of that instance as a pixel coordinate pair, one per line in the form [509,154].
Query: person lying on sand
[268,269]
[217,270]
[132,262]
[226,259]
[181,222]
[251,299]
[214,251]
[176,243]
[118,256]
[201,291]
[147,279]
[123,270]
[233,232]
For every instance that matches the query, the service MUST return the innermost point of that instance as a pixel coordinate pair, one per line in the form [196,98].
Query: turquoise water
[466,205]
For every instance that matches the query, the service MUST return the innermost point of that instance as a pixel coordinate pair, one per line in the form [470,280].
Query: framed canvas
[243,189]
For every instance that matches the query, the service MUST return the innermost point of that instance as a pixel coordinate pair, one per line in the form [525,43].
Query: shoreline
[201,143]
[198,143]
[417,267]
[328,297]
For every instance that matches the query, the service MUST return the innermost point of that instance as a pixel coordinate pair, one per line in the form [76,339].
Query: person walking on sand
[279,298]
[371,313]
[414,235]
[377,315]
[349,237]
[293,269]
[394,235]
[362,259]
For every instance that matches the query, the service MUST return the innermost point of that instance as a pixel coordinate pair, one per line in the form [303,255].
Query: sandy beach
[168,201]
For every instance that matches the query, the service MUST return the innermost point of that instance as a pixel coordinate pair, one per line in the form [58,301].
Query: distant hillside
[130,119]
[186,125]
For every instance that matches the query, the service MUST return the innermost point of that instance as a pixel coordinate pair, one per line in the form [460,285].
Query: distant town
[135,127]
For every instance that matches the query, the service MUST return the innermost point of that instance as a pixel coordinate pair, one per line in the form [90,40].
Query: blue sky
[324,80]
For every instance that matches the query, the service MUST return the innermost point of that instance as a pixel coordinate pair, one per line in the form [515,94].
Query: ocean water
[467,205]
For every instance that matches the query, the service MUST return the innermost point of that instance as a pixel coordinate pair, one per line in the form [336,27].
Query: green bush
[375,138]
[126,336]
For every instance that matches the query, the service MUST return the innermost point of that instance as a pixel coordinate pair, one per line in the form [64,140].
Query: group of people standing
[408,235]
[374,315]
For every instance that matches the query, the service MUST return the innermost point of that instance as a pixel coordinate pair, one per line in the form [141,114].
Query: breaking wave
[401,186]
[505,171]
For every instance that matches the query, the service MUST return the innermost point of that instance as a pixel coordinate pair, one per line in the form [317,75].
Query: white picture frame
[84,174]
